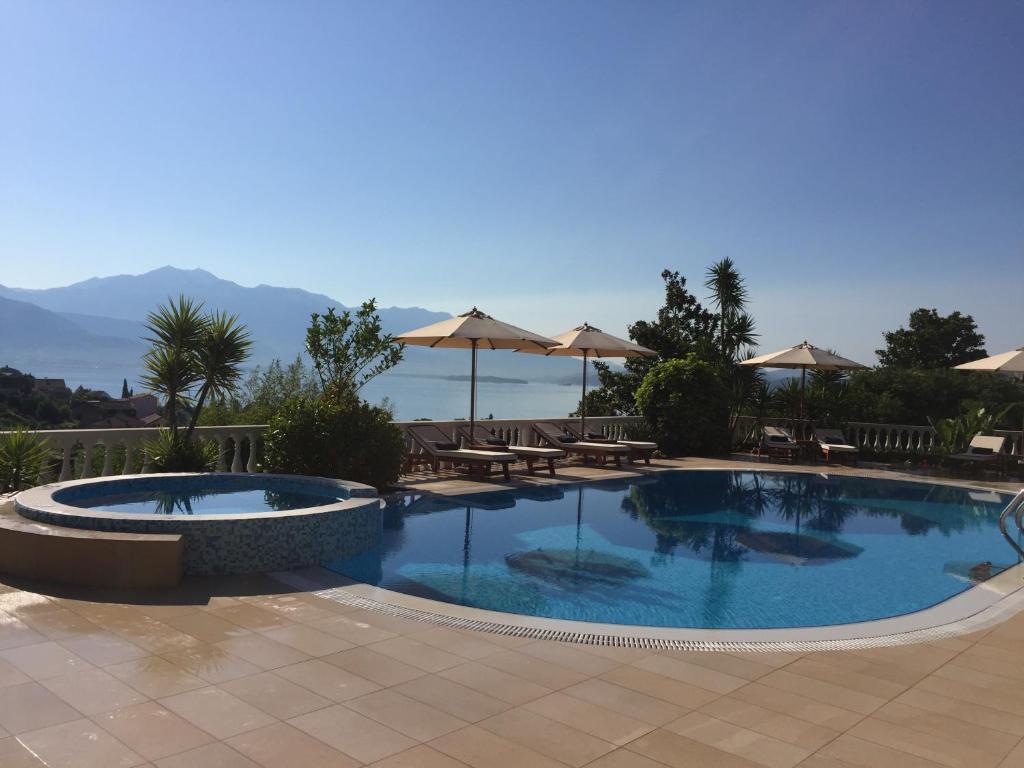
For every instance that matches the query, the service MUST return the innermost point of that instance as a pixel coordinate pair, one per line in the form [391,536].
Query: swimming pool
[228,523]
[701,549]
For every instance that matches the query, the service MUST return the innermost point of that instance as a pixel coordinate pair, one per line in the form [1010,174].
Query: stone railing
[82,453]
[520,432]
[746,430]
[123,451]
[868,436]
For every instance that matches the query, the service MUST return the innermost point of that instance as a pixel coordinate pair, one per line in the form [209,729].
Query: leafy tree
[918,396]
[682,326]
[262,394]
[341,437]
[349,350]
[685,402]
[933,341]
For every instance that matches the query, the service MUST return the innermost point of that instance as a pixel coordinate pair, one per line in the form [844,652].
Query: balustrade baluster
[87,460]
[126,468]
[108,460]
[251,465]
[65,462]
[236,460]
[222,465]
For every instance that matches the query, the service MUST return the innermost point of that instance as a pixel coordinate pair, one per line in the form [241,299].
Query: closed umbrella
[1007,362]
[472,330]
[588,341]
[803,356]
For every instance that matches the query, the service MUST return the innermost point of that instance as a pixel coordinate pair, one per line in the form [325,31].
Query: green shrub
[347,439]
[170,452]
[686,403]
[22,456]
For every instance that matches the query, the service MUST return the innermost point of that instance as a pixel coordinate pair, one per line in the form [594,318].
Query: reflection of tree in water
[171,502]
[714,540]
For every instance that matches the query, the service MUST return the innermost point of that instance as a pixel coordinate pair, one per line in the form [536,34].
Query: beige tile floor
[240,673]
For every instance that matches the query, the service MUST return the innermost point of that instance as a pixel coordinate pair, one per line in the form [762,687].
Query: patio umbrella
[588,341]
[1007,362]
[472,330]
[803,356]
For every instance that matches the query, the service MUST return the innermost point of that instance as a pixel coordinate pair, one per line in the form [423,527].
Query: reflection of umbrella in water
[570,568]
[795,549]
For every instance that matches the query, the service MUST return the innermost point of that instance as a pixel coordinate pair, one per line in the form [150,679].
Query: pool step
[47,552]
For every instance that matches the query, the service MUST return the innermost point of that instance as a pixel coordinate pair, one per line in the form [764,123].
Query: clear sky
[545,160]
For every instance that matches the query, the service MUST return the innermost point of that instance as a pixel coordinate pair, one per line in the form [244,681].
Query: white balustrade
[76,448]
[520,431]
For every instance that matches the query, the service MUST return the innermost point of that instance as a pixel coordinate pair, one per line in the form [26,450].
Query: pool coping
[39,501]
[983,605]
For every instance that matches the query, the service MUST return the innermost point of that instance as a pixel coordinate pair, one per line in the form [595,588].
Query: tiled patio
[238,673]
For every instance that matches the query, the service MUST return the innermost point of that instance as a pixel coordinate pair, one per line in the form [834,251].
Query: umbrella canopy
[804,356]
[472,330]
[587,341]
[1007,362]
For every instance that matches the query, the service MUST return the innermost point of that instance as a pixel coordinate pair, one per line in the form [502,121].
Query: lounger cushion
[606,447]
[463,453]
[640,444]
[567,439]
[449,446]
[839,448]
[779,439]
[496,441]
[537,452]
[981,451]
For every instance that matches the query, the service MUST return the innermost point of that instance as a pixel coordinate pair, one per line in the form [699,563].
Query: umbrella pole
[472,396]
[583,402]
[803,379]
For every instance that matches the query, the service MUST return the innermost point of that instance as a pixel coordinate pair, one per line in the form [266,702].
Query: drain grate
[931,634]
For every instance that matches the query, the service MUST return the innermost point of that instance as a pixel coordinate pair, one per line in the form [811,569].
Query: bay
[411,397]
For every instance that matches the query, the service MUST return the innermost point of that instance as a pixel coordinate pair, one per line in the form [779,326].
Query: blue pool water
[195,496]
[716,549]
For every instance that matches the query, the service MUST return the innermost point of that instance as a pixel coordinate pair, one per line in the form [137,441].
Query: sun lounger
[778,444]
[638,449]
[556,437]
[833,443]
[433,441]
[482,440]
[983,450]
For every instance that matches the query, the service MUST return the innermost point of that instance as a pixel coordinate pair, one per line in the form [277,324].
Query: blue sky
[545,160]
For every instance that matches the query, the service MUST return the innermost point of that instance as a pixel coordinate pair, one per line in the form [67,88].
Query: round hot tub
[230,523]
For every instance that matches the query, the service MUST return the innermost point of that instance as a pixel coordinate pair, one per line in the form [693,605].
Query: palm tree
[729,297]
[223,347]
[172,365]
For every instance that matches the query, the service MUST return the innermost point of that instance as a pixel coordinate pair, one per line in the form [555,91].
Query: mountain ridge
[103,317]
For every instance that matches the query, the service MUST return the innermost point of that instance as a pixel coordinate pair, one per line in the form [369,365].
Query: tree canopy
[933,341]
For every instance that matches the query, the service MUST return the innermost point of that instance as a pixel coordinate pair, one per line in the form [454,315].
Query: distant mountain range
[97,326]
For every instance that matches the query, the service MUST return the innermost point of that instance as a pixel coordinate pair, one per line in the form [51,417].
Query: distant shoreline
[463,377]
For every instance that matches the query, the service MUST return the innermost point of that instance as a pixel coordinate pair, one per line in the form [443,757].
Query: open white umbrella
[472,330]
[1006,362]
[803,356]
[587,341]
